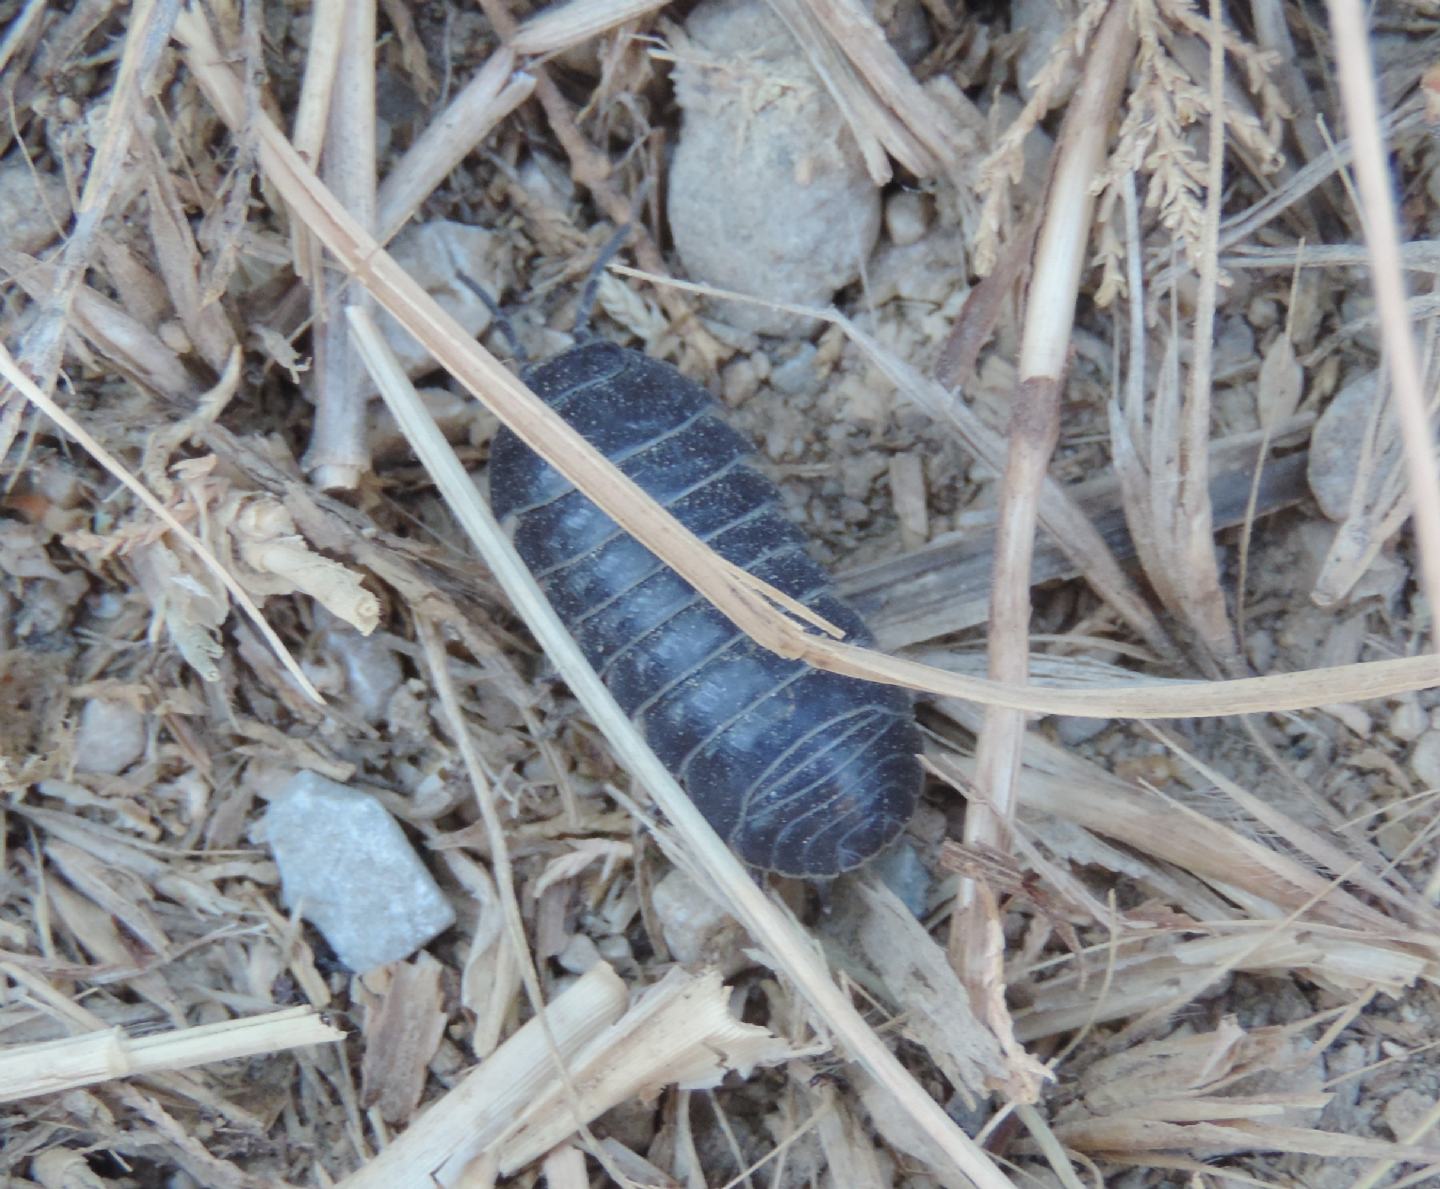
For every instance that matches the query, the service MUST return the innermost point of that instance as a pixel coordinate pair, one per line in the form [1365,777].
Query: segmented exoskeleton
[802,771]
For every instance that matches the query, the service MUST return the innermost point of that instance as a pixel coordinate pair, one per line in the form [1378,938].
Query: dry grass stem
[455,1133]
[1060,252]
[178,262]
[943,586]
[561,26]
[1198,575]
[1243,226]
[1182,1094]
[937,1012]
[19,32]
[678,1032]
[884,107]
[1207,850]
[890,81]
[123,340]
[1049,1146]
[493,93]
[390,378]
[52,1066]
[339,452]
[312,115]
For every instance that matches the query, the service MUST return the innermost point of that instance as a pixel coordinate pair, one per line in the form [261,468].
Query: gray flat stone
[345,861]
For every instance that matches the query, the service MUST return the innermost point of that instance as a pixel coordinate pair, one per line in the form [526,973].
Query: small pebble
[1073,731]
[907,217]
[1263,313]
[1406,1114]
[1261,647]
[111,737]
[1234,345]
[615,949]
[435,254]
[348,865]
[1044,23]
[689,919]
[1425,759]
[1357,311]
[739,381]
[907,30]
[579,955]
[34,206]
[1409,720]
[796,375]
[372,671]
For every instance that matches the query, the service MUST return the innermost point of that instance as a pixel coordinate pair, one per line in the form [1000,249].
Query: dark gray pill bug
[802,771]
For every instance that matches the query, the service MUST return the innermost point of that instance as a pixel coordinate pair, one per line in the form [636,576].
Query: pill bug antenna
[591,291]
[502,319]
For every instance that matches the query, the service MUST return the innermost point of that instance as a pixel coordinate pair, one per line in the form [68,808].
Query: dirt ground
[1192,946]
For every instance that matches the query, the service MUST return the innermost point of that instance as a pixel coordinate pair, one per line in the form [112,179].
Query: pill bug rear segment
[803,772]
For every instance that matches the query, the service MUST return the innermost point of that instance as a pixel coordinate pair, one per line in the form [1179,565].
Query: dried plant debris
[229,592]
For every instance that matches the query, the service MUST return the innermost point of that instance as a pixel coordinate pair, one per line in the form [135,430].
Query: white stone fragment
[347,864]
[907,217]
[1073,731]
[1425,760]
[1409,720]
[795,375]
[372,670]
[111,737]
[579,955]
[768,193]
[435,254]
[696,929]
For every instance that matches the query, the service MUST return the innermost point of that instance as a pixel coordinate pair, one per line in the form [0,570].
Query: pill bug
[802,771]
